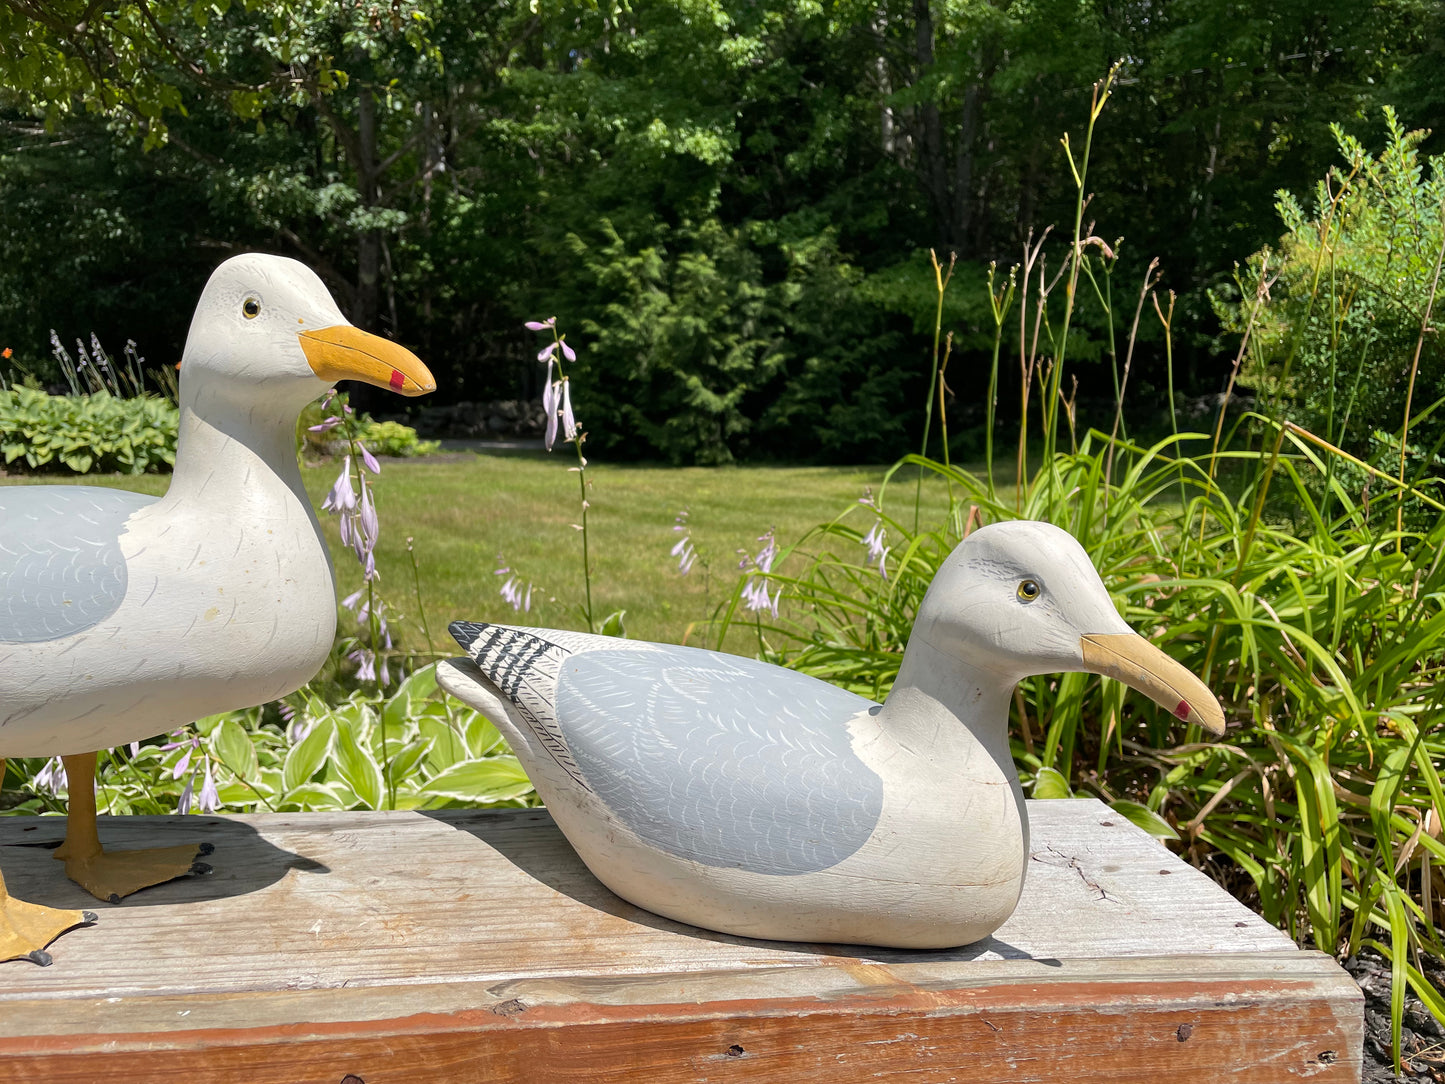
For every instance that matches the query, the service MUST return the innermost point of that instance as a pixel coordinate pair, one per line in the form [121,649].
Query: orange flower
[6,352]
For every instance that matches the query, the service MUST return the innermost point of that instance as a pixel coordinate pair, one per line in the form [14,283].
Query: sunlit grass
[465,511]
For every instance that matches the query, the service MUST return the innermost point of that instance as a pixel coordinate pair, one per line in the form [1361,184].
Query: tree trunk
[1028,190]
[963,191]
[886,124]
[930,151]
[368,241]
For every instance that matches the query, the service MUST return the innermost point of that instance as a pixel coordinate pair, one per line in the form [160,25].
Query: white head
[1022,597]
[267,324]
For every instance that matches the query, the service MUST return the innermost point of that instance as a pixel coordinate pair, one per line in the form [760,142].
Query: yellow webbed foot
[26,928]
[106,875]
[113,875]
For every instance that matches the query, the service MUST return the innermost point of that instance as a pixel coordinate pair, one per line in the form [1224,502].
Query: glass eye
[1029,590]
[251,308]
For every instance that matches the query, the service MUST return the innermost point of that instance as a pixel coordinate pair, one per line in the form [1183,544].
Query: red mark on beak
[397,380]
[1182,710]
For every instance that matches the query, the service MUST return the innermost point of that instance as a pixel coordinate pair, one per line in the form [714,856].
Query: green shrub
[1335,338]
[393,438]
[83,433]
[382,438]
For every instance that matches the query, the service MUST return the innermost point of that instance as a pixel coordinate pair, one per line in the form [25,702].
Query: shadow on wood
[243,860]
[560,868]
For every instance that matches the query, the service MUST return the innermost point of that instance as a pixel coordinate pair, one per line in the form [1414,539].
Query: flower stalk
[557,405]
[352,502]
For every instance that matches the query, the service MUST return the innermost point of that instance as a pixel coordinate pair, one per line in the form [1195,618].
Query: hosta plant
[83,433]
[411,750]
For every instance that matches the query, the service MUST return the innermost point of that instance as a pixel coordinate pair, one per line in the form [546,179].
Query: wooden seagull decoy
[754,800]
[123,615]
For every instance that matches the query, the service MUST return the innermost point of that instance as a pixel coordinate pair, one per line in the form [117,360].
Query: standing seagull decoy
[747,798]
[123,616]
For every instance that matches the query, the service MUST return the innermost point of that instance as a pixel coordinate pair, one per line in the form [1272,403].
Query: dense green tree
[724,202]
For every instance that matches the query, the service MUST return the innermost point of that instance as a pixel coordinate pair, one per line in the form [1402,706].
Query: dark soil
[1422,1039]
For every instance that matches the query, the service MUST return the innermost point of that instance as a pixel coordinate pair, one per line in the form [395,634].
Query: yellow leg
[26,928]
[111,875]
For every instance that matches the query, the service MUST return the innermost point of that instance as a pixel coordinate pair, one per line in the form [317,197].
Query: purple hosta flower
[512,591]
[768,554]
[569,423]
[324,426]
[342,497]
[877,537]
[365,660]
[556,394]
[878,549]
[368,665]
[297,724]
[356,515]
[515,596]
[382,668]
[756,595]
[209,800]
[362,607]
[369,529]
[368,460]
[192,744]
[548,353]
[549,408]
[51,778]
[684,550]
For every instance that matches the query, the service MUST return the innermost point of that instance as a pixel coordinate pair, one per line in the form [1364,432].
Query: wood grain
[469,946]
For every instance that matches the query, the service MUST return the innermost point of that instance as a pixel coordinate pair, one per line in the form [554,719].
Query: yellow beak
[343,352]
[1140,665]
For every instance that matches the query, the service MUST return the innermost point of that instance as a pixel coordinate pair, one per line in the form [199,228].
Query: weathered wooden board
[475,947]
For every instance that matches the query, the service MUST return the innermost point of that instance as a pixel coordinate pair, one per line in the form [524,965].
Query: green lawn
[465,511]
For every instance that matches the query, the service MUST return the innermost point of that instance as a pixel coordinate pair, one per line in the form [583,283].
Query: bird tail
[514,670]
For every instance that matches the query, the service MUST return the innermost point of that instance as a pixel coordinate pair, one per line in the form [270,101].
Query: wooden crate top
[316,925]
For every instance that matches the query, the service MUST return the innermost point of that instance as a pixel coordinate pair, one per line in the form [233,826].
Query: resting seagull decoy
[754,800]
[123,616]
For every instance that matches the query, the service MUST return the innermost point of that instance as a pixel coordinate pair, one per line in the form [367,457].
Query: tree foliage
[727,196]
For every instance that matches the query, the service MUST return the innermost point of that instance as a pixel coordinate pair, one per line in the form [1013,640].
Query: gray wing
[725,760]
[61,566]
